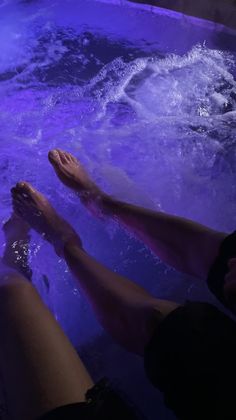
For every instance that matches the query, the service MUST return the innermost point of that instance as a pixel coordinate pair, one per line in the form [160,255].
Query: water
[152,118]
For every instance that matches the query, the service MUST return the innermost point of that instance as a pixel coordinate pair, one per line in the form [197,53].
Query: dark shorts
[192,359]
[102,403]
[219,269]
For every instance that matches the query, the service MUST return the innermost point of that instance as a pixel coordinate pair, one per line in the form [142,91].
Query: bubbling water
[161,127]
[153,129]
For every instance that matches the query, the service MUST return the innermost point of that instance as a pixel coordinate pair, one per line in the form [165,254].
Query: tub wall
[221,11]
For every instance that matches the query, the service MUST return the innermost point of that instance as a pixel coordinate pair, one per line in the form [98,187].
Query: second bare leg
[185,245]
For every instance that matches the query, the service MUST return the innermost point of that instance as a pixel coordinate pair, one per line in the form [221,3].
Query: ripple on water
[157,130]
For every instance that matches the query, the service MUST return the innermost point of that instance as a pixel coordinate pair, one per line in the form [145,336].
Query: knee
[14,288]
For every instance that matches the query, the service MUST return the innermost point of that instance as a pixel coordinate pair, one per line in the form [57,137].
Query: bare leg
[39,367]
[187,246]
[128,312]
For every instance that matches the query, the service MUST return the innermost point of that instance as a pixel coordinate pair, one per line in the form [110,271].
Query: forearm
[187,246]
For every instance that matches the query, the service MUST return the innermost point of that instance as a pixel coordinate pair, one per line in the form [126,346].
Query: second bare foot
[36,210]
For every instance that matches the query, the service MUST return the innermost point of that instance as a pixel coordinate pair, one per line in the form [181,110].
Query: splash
[164,123]
[152,128]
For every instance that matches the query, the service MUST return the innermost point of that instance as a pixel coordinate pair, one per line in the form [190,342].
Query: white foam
[169,119]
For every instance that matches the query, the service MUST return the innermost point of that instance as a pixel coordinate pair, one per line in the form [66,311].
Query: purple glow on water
[147,101]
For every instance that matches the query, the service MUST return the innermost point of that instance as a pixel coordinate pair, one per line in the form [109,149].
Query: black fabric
[191,359]
[219,269]
[102,403]
[71,412]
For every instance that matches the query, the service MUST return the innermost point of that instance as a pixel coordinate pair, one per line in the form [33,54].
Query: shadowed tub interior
[147,100]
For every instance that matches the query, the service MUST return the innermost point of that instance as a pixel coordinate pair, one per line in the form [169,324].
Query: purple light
[147,105]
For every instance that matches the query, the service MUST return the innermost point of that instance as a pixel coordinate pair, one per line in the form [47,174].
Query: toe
[59,157]
[16,196]
[54,157]
[16,203]
[25,189]
[73,158]
[68,157]
[28,195]
[17,199]
[63,156]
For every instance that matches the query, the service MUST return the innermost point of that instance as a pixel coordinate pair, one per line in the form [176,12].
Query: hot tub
[146,98]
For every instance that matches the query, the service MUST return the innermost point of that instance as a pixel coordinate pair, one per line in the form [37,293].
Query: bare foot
[17,245]
[72,174]
[36,210]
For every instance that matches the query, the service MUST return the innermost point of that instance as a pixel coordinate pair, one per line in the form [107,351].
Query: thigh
[39,367]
